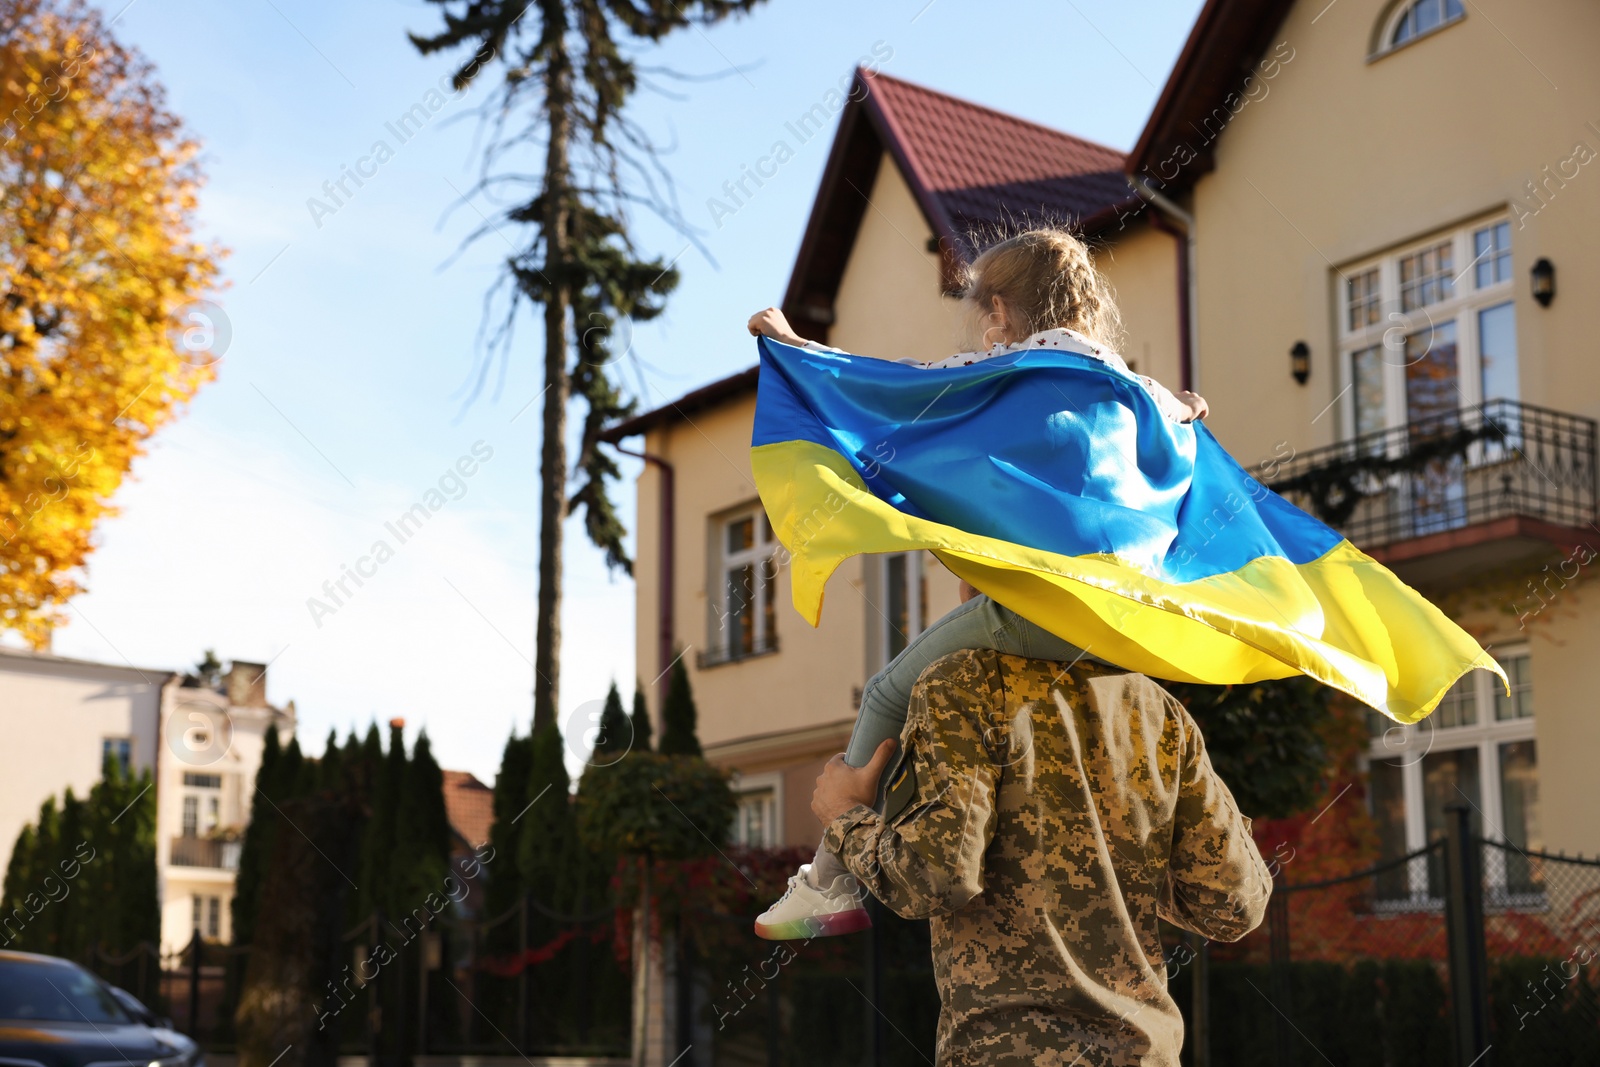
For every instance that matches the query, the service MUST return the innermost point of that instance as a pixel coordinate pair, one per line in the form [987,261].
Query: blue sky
[339,402]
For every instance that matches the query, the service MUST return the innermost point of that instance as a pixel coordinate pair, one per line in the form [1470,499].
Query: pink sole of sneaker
[839,922]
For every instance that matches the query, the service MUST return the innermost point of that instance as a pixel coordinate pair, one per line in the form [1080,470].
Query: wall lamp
[1300,361]
[1544,282]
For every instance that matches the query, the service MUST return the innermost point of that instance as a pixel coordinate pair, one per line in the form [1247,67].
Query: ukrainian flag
[1051,481]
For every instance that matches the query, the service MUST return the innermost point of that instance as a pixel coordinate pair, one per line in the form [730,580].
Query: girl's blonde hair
[1045,279]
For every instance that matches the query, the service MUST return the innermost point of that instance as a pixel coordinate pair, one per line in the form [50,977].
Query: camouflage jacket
[1056,813]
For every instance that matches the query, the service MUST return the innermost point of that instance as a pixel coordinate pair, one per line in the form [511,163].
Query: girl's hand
[769,322]
[1195,403]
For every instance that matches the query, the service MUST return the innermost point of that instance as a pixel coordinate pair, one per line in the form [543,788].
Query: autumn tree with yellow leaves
[103,332]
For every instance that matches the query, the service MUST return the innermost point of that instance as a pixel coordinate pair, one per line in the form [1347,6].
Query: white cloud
[221,543]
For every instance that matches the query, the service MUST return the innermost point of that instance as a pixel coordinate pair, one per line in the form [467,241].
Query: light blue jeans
[886,700]
[979,623]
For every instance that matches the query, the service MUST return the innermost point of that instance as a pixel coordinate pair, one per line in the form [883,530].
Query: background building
[201,744]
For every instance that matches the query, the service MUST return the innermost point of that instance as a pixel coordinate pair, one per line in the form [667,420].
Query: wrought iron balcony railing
[218,854]
[733,651]
[1450,470]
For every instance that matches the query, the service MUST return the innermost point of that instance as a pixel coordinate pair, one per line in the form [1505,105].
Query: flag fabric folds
[1051,481]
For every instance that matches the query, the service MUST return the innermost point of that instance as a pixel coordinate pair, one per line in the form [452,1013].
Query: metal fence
[1542,935]
[528,981]
[867,999]
[1449,470]
[1466,953]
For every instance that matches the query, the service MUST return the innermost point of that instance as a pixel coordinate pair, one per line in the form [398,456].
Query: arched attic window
[1408,20]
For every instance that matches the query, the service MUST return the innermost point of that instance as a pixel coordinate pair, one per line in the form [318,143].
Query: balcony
[1467,491]
[215,853]
[735,650]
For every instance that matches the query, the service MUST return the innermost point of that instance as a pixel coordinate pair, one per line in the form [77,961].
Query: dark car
[188,1052]
[54,1013]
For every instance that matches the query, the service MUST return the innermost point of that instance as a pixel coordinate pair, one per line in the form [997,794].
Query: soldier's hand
[841,787]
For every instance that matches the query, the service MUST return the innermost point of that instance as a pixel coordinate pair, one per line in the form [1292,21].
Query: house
[1393,230]
[911,174]
[1362,231]
[201,743]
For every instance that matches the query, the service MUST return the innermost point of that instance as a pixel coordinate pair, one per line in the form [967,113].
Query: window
[202,803]
[1366,384]
[905,601]
[754,823]
[206,915]
[1433,378]
[1497,351]
[1462,753]
[1417,342]
[1519,802]
[1363,297]
[743,605]
[1418,17]
[756,819]
[1425,277]
[1491,255]
[119,749]
[1519,705]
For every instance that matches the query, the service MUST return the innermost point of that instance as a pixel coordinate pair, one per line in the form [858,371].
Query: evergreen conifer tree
[547,831]
[614,737]
[330,768]
[678,716]
[642,733]
[379,841]
[510,798]
[552,867]
[420,859]
[118,897]
[256,849]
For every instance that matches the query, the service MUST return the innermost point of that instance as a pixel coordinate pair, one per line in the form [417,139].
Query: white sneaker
[805,911]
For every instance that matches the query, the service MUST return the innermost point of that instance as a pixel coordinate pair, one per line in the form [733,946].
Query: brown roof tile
[469,805]
[985,168]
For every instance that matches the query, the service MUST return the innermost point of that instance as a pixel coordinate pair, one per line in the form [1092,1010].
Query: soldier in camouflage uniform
[1055,813]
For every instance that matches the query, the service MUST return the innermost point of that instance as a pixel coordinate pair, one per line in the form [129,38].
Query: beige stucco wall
[1345,158]
[809,679]
[888,303]
[1141,263]
[1566,728]
[889,306]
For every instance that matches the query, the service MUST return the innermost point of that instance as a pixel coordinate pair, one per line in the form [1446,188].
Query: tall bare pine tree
[566,80]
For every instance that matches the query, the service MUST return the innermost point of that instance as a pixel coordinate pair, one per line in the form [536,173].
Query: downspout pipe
[1172,219]
[665,638]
